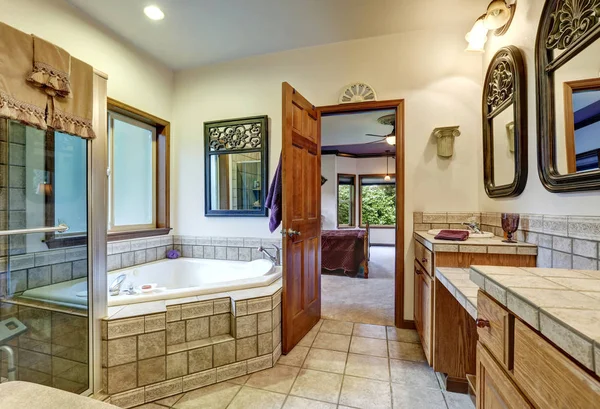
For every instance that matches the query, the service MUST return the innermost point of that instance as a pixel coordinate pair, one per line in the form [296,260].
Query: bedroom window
[377,200]
[346,193]
[137,173]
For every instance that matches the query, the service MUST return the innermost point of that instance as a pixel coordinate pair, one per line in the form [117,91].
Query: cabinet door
[417,300]
[495,390]
[426,299]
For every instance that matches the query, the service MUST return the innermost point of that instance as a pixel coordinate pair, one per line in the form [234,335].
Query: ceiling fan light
[391,140]
[498,15]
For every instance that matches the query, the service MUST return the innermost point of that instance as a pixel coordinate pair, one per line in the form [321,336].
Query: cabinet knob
[423,260]
[419,272]
[481,323]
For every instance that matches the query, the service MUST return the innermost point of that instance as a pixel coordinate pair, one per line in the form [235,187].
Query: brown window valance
[42,85]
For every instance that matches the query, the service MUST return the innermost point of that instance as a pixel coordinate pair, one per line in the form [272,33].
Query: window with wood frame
[346,200]
[138,192]
[138,173]
[377,200]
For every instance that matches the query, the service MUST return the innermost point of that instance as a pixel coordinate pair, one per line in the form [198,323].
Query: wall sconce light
[445,140]
[477,36]
[44,189]
[498,17]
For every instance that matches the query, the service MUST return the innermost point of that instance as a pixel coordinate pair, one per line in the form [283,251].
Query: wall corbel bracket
[445,140]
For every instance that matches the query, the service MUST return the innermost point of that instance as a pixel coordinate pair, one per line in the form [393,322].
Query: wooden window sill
[137,234]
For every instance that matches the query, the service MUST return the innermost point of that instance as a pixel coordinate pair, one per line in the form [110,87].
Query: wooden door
[495,390]
[301,220]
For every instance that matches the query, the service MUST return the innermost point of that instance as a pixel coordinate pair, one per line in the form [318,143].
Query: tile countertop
[564,305]
[493,245]
[457,281]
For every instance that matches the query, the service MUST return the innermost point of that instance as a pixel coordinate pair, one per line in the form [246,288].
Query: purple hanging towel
[274,199]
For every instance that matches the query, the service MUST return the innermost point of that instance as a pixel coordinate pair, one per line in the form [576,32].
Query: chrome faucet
[473,226]
[276,259]
[115,286]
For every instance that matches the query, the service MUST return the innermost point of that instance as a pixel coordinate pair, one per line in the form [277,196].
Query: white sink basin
[483,235]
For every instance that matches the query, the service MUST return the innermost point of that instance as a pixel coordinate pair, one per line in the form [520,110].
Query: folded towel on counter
[453,235]
[274,199]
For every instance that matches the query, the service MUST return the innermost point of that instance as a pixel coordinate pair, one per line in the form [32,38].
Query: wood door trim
[398,105]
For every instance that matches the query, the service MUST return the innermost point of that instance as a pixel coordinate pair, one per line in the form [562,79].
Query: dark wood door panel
[301,165]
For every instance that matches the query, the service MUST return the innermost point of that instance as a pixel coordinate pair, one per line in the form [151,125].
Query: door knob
[292,233]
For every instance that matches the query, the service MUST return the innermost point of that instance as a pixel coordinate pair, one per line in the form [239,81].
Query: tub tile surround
[128,253]
[159,349]
[562,241]
[562,304]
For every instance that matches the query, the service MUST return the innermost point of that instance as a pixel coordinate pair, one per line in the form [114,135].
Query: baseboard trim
[382,244]
[408,324]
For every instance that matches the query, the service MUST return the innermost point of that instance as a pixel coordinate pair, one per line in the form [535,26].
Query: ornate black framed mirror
[236,167]
[505,124]
[567,58]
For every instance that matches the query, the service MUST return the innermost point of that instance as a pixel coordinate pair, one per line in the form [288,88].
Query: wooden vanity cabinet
[538,375]
[495,389]
[447,331]
[424,308]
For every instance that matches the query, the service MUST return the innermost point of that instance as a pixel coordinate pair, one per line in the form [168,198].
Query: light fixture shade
[498,15]
[477,37]
[154,13]
[44,189]
[387,178]
[391,140]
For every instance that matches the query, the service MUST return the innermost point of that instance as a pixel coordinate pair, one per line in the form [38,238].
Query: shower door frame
[97,234]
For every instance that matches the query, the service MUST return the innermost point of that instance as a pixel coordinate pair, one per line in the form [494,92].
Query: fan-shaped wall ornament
[357,92]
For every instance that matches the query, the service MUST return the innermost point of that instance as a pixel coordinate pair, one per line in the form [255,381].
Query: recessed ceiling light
[154,13]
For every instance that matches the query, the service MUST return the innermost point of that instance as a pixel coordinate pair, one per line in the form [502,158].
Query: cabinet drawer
[548,377]
[495,389]
[494,328]
[424,257]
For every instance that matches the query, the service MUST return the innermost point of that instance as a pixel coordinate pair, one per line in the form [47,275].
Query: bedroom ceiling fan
[391,137]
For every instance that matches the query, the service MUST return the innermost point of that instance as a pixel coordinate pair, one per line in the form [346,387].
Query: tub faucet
[276,259]
[474,226]
[115,286]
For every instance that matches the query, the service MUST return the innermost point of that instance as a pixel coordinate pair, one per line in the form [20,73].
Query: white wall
[134,77]
[430,70]
[535,198]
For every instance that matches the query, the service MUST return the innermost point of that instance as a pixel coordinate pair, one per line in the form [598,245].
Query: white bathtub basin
[482,235]
[183,277]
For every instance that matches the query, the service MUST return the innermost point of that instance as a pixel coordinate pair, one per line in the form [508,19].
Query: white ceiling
[350,129]
[198,32]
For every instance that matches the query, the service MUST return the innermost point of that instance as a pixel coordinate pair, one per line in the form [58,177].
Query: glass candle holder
[510,224]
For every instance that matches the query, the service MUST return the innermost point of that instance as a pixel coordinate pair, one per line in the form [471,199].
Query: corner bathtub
[183,277]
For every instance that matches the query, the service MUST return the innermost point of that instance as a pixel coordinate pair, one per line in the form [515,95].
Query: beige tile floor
[339,365]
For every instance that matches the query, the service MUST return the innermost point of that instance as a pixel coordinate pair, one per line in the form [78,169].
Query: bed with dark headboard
[346,250]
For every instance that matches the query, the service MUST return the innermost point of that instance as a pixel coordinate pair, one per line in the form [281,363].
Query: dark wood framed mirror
[504,109]
[236,167]
[567,57]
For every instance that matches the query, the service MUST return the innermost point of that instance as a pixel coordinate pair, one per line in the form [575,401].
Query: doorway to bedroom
[359,205]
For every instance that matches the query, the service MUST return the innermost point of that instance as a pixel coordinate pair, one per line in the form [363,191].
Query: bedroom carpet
[368,301]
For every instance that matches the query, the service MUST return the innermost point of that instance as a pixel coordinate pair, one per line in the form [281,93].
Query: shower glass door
[44,331]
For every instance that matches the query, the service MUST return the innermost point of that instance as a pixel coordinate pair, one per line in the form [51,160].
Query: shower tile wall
[563,241]
[54,349]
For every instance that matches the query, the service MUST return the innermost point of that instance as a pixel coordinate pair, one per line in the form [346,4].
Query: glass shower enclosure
[44,320]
